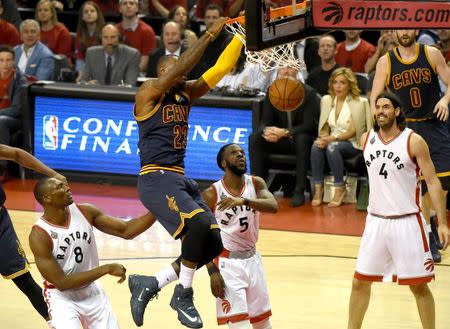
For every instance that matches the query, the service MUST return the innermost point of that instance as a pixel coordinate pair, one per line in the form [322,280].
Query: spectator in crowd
[10,12]
[307,51]
[135,32]
[344,117]
[161,7]
[11,83]
[387,41]
[229,8]
[212,13]
[286,132]
[9,35]
[444,44]
[54,35]
[428,37]
[180,15]
[112,63]
[172,45]
[108,7]
[89,27]
[354,52]
[33,57]
[319,77]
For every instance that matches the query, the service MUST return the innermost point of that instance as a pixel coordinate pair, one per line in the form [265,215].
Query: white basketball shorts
[246,296]
[87,306]
[395,249]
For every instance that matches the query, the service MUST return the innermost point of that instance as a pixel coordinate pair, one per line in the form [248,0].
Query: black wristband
[246,201]
[212,269]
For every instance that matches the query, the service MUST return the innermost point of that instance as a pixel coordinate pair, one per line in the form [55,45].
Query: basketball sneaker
[183,302]
[143,289]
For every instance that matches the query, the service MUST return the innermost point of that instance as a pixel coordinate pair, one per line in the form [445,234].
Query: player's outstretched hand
[218,25]
[217,285]
[441,110]
[444,235]
[118,270]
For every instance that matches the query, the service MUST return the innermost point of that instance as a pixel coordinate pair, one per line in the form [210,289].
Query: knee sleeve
[198,229]
[264,324]
[33,291]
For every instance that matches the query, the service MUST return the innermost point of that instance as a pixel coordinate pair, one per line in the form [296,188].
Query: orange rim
[272,13]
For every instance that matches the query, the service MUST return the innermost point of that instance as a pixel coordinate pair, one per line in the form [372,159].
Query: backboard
[262,32]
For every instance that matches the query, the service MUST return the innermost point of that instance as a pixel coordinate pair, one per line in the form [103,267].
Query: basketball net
[272,58]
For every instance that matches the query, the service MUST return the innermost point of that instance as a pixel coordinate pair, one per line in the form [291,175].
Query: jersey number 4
[383,171]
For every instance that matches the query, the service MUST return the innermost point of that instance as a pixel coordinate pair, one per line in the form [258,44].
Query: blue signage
[88,135]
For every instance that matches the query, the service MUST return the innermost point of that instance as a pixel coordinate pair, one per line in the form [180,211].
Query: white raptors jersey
[393,175]
[239,225]
[74,246]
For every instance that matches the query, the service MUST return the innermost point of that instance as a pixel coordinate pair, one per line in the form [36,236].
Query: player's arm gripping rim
[264,202]
[419,151]
[150,92]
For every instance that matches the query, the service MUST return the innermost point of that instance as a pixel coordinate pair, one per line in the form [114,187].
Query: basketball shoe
[183,302]
[143,289]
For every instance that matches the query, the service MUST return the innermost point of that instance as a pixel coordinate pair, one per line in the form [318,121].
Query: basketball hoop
[272,58]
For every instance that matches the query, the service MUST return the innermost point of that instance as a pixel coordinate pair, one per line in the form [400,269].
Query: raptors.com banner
[381,14]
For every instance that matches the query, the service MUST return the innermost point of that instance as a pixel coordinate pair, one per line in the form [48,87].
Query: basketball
[286,94]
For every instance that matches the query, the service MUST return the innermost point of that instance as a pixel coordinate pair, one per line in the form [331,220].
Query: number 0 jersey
[74,246]
[415,82]
[239,225]
[393,175]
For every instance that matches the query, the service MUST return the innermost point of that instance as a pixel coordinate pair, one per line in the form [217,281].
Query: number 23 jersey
[74,246]
[393,175]
[239,225]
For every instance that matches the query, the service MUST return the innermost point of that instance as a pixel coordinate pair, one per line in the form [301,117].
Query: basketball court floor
[308,253]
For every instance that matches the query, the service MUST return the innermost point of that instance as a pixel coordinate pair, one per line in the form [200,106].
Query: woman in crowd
[90,24]
[180,15]
[53,34]
[344,117]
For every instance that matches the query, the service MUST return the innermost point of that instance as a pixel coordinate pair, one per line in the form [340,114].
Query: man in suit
[33,58]
[172,34]
[286,132]
[112,63]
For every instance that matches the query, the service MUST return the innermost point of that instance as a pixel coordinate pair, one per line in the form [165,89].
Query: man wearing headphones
[112,63]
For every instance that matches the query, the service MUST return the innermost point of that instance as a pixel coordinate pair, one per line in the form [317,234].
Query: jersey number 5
[243,221]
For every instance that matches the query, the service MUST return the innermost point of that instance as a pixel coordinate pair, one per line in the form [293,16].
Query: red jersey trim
[414,281]
[422,233]
[231,193]
[389,142]
[233,318]
[68,217]
[261,317]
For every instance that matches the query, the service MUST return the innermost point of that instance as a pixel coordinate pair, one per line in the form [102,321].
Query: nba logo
[50,132]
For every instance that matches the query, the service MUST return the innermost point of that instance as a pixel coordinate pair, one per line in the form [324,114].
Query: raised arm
[26,160]
[41,246]
[152,90]
[116,226]
[419,150]
[224,64]
[379,81]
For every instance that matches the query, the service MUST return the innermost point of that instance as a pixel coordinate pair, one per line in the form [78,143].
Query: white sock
[166,276]
[186,276]
[429,228]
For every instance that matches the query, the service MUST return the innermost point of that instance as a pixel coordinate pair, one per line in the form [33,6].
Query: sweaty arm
[152,90]
[26,160]
[379,81]
[116,226]
[41,246]
[419,150]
